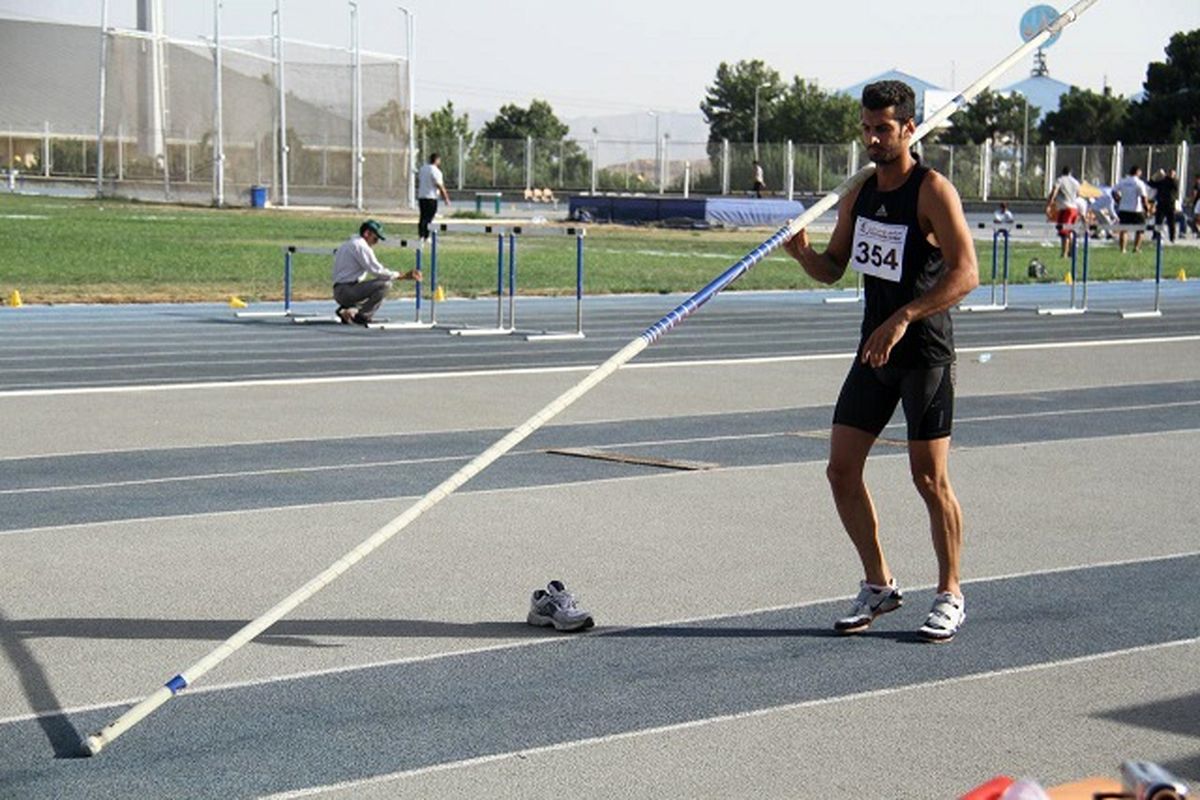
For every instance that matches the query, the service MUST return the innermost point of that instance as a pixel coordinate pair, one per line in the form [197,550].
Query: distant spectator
[1003,216]
[1060,206]
[1193,207]
[1166,192]
[760,185]
[1132,195]
[1104,212]
[429,186]
[1194,204]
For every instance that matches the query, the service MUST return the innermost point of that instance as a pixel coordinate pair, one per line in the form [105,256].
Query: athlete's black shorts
[869,397]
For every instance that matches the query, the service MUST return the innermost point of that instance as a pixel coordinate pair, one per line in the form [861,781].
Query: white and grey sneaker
[555,606]
[872,601]
[945,618]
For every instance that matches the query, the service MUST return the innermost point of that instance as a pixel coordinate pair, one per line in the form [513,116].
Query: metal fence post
[789,176]
[462,161]
[100,100]
[821,169]
[985,171]
[283,142]
[1118,165]
[46,149]
[1051,164]
[724,166]
[529,163]
[595,161]
[1181,164]
[219,138]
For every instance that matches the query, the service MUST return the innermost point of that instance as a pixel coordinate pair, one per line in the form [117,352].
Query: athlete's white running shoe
[945,618]
[872,601]
[555,606]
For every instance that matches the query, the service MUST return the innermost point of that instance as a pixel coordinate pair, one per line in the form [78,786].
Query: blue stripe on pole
[177,684]
[689,306]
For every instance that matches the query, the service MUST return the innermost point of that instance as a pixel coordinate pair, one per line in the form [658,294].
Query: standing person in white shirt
[360,282]
[429,187]
[1132,195]
[1061,206]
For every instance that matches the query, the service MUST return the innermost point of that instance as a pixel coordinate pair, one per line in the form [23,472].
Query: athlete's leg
[848,449]
[929,463]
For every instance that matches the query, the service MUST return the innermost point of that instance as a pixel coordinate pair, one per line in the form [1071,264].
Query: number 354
[875,255]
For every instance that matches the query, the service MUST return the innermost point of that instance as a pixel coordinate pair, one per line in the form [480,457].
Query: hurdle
[288,252]
[1071,309]
[1156,309]
[509,328]
[1000,231]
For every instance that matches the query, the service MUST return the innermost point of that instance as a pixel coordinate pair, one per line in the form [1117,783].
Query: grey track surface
[183,491]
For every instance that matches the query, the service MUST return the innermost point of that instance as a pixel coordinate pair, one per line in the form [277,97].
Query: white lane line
[320,673]
[724,718]
[664,475]
[423,376]
[209,476]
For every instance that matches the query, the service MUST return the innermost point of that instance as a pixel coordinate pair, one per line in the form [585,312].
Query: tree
[807,114]
[728,105]
[537,122]
[1170,111]
[443,127]
[1086,117]
[990,117]
[500,151]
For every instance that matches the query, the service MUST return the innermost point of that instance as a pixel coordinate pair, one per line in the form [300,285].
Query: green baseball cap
[374,227]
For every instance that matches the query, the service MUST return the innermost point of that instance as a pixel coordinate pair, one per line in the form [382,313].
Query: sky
[633,56]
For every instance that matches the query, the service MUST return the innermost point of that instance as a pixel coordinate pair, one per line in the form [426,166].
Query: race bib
[878,249]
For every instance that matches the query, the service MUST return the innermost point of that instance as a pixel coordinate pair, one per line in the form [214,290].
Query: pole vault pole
[98,741]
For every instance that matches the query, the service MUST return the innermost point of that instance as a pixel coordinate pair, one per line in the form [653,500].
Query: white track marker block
[981,308]
[316,319]
[262,314]
[1062,312]
[481,331]
[843,299]
[1140,314]
[400,326]
[547,336]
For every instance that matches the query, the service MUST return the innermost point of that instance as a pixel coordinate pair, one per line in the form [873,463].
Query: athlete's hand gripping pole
[96,742]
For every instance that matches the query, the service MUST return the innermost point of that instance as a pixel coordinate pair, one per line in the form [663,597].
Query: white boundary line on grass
[478,373]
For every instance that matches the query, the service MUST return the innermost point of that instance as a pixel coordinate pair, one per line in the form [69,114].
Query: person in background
[1132,197]
[1166,192]
[760,184]
[1003,216]
[430,186]
[360,282]
[1061,207]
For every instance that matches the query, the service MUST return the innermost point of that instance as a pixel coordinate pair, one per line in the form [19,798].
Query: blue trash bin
[258,197]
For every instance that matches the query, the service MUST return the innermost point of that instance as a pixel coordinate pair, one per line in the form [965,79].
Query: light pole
[756,90]
[410,25]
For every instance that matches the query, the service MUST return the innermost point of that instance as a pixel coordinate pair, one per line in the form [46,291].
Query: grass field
[56,250]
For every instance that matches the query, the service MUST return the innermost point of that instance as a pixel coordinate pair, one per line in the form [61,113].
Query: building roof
[1041,91]
[919,85]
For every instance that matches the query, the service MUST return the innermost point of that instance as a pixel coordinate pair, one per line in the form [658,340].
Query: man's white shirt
[429,178]
[354,258]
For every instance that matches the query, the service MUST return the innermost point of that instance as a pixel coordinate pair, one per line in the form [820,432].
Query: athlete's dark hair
[886,94]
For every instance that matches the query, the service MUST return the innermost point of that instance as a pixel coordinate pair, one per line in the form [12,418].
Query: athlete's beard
[882,156]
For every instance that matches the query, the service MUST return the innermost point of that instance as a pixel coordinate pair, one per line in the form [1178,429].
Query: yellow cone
[1069,279]
[236,302]
[439,294]
[1182,274]
[14,299]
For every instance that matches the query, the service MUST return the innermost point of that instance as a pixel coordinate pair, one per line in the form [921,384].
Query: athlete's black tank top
[928,342]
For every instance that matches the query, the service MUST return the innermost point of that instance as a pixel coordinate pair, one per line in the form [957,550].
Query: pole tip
[91,745]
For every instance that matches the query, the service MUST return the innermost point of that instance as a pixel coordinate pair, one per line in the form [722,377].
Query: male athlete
[903,229]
